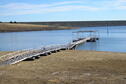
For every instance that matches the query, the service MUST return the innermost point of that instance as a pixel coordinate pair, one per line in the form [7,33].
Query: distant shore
[81,23]
[68,67]
[17,27]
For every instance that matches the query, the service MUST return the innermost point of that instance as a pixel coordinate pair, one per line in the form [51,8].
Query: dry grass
[4,52]
[68,67]
[13,27]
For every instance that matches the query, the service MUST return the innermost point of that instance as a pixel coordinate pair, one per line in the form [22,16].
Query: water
[114,41]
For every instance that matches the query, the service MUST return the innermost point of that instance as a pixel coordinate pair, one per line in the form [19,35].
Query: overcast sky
[62,10]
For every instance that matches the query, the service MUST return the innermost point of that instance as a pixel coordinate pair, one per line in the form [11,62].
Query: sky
[62,10]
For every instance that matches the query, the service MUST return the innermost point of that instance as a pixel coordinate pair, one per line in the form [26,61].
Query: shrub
[11,22]
[15,22]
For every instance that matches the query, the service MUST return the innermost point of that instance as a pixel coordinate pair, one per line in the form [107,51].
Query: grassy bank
[68,67]
[14,27]
[4,52]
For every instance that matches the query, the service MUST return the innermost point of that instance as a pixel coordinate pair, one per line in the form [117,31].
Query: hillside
[16,27]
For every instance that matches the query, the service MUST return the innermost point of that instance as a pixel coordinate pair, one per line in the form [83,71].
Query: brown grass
[4,52]
[16,27]
[68,67]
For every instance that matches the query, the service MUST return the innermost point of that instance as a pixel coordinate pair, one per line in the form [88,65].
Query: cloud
[115,4]
[31,6]
[111,5]
[24,8]
[13,9]
[121,4]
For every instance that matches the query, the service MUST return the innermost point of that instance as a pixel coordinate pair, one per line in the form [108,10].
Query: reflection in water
[113,41]
[88,46]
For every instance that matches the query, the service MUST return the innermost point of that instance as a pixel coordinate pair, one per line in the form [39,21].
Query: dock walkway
[15,57]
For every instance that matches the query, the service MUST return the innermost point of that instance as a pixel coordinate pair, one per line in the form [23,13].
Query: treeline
[13,22]
[9,22]
[81,23]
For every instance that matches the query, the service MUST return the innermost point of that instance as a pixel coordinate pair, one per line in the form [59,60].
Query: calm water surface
[114,41]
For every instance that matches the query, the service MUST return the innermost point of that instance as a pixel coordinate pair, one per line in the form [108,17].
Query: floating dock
[13,58]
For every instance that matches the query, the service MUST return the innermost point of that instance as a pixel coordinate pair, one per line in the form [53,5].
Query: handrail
[17,56]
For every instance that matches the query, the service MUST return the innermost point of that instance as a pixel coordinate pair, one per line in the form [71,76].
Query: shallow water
[113,40]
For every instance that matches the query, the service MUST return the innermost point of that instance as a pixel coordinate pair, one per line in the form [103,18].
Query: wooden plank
[20,56]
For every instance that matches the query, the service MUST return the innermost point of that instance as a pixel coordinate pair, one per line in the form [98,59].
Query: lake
[113,40]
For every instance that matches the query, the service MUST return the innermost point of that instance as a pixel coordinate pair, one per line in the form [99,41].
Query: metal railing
[21,55]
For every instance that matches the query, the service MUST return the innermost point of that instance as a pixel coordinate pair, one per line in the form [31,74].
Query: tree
[15,22]
[11,22]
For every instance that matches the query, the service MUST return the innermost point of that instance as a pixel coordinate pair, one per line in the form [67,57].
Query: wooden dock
[31,54]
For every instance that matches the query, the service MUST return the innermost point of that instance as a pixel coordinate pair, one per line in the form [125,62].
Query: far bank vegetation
[17,27]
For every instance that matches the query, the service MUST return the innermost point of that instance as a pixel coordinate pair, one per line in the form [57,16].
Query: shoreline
[17,27]
[68,67]
[82,23]
[45,26]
